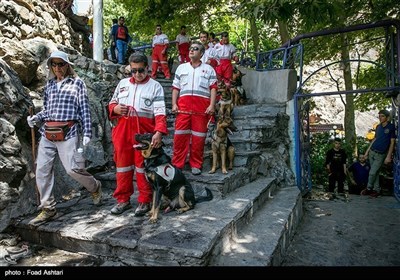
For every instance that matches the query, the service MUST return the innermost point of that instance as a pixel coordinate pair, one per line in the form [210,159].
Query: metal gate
[302,106]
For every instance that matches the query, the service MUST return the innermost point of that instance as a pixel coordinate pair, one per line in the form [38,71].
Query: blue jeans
[122,47]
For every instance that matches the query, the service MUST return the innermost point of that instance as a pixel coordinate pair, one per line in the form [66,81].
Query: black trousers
[339,178]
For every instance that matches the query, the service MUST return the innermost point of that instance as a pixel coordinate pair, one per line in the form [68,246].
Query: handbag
[56,131]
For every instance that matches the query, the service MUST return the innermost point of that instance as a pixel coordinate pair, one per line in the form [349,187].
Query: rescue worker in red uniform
[159,54]
[225,52]
[137,106]
[193,100]
[183,44]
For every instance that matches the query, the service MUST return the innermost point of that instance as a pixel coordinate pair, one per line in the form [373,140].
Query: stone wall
[29,32]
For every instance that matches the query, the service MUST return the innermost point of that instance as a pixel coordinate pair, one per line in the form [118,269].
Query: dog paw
[211,172]
[224,171]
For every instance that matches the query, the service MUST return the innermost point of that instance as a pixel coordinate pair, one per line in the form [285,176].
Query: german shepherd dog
[237,91]
[221,146]
[166,180]
[225,104]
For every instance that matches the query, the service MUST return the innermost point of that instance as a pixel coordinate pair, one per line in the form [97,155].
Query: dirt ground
[347,231]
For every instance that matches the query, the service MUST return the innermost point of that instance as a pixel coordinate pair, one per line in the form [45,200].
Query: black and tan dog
[225,104]
[238,94]
[221,146]
[166,180]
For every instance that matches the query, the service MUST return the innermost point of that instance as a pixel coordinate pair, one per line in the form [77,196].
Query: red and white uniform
[183,42]
[146,114]
[160,45]
[225,52]
[194,86]
[211,56]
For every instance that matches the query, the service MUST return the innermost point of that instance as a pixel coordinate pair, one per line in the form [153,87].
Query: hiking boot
[97,195]
[366,191]
[44,216]
[121,208]
[196,171]
[142,209]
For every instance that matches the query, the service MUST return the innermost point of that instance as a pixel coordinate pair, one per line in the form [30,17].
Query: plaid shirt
[71,102]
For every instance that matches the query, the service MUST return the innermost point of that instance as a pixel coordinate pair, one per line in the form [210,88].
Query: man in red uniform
[225,52]
[137,106]
[182,44]
[159,55]
[193,100]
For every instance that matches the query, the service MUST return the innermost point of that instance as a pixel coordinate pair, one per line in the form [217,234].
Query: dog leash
[131,112]
[191,113]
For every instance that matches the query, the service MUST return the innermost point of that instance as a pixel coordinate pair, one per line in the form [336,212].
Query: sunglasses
[194,48]
[140,70]
[59,64]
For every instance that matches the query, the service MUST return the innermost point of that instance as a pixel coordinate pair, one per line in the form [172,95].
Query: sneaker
[44,216]
[366,191]
[121,208]
[142,209]
[97,195]
[196,171]
[374,194]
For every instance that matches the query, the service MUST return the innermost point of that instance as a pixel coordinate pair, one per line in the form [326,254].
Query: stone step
[264,238]
[187,239]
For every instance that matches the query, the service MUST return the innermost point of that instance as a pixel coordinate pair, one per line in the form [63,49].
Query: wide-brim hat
[63,56]
[59,54]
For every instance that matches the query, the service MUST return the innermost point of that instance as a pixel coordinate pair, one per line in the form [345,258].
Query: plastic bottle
[80,159]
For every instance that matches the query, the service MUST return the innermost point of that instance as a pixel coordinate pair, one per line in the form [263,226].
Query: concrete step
[188,239]
[220,184]
[264,238]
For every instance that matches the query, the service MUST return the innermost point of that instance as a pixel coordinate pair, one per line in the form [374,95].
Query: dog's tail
[205,196]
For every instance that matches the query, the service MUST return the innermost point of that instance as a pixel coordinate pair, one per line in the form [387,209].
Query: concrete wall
[269,86]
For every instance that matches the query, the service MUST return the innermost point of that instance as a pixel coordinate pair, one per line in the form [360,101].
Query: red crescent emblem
[165,170]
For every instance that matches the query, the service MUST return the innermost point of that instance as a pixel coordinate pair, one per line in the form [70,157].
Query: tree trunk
[283,31]
[254,33]
[349,123]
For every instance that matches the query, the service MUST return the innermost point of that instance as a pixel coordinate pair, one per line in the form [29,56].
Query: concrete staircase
[249,222]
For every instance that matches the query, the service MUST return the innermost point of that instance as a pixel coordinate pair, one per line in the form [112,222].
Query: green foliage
[319,146]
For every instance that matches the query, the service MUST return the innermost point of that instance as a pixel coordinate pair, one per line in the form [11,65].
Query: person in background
[226,53]
[113,45]
[182,45]
[212,40]
[209,56]
[121,39]
[358,174]
[335,163]
[194,91]
[159,55]
[65,99]
[380,152]
[137,106]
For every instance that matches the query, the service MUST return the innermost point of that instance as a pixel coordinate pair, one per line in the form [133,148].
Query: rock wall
[29,32]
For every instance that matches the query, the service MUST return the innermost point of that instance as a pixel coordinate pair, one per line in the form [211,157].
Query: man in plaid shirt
[65,100]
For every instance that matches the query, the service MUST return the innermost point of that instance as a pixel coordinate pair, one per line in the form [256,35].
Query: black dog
[166,180]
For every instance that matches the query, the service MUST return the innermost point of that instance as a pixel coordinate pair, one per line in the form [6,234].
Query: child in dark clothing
[358,173]
[335,163]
